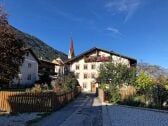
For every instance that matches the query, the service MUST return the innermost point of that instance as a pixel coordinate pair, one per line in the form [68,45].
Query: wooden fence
[35,102]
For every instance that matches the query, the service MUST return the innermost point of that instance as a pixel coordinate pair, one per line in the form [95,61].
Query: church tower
[71,53]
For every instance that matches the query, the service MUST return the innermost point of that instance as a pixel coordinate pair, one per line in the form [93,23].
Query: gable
[101,53]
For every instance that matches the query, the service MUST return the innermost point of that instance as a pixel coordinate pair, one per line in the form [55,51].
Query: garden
[42,97]
[126,86]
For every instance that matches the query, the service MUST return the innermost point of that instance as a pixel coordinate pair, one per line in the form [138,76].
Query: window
[93,66]
[85,76]
[85,67]
[93,75]
[29,77]
[84,85]
[77,67]
[77,75]
[29,65]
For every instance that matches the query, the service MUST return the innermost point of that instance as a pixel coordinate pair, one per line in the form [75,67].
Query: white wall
[27,70]
[89,71]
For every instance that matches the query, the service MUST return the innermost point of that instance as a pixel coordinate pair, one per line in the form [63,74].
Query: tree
[143,81]
[65,82]
[160,92]
[11,50]
[144,84]
[113,76]
[3,15]
[116,74]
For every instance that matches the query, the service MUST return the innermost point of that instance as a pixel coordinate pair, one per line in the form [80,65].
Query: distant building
[59,66]
[86,65]
[54,68]
[28,70]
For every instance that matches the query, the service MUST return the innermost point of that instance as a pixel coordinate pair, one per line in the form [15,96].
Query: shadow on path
[86,110]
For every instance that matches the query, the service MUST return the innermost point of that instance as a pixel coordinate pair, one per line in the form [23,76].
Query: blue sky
[136,28]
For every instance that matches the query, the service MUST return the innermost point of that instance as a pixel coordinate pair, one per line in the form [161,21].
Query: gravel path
[86,110]
[123,116]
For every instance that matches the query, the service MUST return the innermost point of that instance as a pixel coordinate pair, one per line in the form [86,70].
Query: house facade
[86,65]
[59,66]
[28,70]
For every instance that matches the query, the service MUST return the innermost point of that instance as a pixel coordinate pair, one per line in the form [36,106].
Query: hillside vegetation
[41,49]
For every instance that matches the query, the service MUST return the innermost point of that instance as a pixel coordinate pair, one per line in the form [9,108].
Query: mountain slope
[41,49]
[153,70]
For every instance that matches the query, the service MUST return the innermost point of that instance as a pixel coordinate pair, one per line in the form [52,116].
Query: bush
[36,89]
[114,96]
[65,83]
[45,78]
[138,101]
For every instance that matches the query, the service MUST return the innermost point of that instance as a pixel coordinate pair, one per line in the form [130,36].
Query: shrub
[65,83]
[36,89]
[114,96]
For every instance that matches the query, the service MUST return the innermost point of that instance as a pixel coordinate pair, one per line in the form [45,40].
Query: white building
[28,70]
[59,66]
[86,65]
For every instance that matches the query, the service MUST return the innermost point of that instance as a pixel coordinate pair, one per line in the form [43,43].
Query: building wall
[59,69]
[59,66]
[85,83]
[46,67]
[28,70]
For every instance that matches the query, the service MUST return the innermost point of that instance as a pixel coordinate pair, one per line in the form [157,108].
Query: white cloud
[127,7]
[113,30]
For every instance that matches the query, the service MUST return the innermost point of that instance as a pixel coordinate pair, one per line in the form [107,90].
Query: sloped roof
[94,49]
[30,50]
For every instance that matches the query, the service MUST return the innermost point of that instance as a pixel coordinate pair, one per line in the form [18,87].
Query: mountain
[153,70]
[41,49]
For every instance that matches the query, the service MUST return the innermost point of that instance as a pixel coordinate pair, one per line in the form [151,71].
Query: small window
[29,65]
[77,67]
[93,66]
[93,75]
[85,67]
[29,77]
[77,75]
[85,76]
[84,85]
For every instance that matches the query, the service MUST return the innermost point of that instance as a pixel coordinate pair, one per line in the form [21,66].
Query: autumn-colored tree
[143,81]
[116,74]
[112,76]
[11,50]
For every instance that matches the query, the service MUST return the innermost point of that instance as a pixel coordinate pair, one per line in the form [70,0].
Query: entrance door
[93,87]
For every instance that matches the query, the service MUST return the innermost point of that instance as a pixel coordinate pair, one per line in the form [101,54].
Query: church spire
[71,53]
